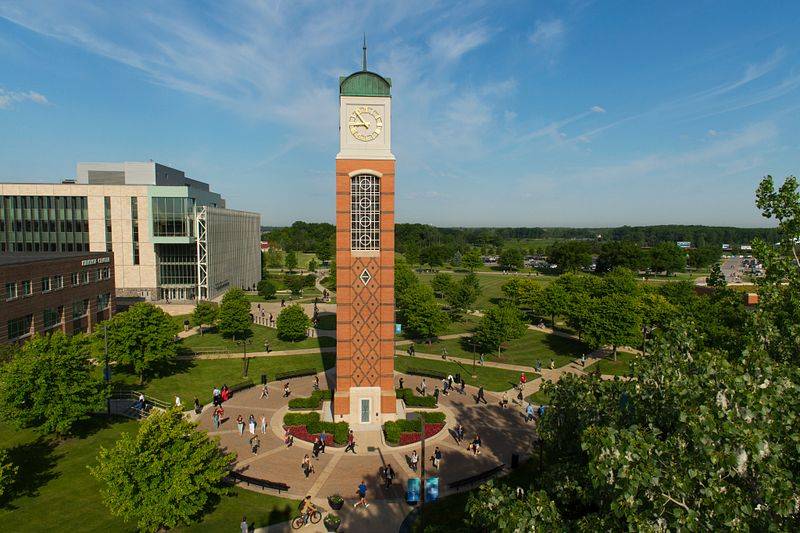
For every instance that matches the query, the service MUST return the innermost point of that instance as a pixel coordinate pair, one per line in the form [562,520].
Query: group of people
[221,395]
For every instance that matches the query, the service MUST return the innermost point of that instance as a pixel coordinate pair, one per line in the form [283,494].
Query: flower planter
[332,523]
[336,502]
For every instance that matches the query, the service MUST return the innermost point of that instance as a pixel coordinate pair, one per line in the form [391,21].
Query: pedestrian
[445,384]
[254,444]
[414,460]
[264,392]
[436,394]
[177,401]
[480,359]
[481,396]
[475,446]
[217,400]
[197,407]
[322,438]
[389,476]
[225,393]
[245,527]
[552,364]
[444,352]
[362,495]
[523,379]
[423,386]
[538,366]
[240,424]
[315,449]
[215,417]
[306,465]
[283,302]
[351,442]
[437,458]
[529,413]
[286,390]
[140,402]
[450,381]
[288,438]
[401,383]
[541,411]
[411,350]
[266,346]
[251,424]
[463,389]
[583,360]
[263,424]
[459,433]
[316,383]
[504,400]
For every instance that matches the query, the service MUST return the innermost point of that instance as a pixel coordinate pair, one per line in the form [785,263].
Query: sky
[563,113]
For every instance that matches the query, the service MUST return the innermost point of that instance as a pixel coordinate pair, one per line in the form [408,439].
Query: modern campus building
[51,291]
[365,169]
[172,238]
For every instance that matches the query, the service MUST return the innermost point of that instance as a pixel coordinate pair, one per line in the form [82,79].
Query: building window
[11,291]
[27,287]
[102,301]
[52,317]
[75,278]
[365,213]
[135,228]
[107,209]
[85,277]
[173,217]
[79,309]
[19,327]
[46,287]
[58,282]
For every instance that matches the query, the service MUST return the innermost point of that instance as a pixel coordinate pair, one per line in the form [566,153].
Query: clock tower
[364,393]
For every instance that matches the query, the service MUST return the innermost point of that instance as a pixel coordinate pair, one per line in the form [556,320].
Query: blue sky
[505,113]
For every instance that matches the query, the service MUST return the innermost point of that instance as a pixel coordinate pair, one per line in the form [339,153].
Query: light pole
[472,341]
[244,343]
[422,476]
[107,373]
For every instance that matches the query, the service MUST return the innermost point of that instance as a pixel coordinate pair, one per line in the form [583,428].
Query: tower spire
[364,57]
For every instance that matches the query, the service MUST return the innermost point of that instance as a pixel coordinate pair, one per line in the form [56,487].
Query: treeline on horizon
[417,240]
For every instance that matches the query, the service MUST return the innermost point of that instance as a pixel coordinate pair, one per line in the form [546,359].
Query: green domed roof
[364,83]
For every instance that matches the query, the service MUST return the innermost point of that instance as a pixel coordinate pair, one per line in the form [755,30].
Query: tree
[511,258]
[614,321]
[667,257]
[234,316]
[296,284]
[553,302]
[525,293]
[274,258]
[532,512]
[501,323]
[293,323]
[442,284]
[142,338]
[8,474]
[716,278]
[267,289]
[462,295]
[205,313]
[404,279]
[312,265]
[421,315]
[165,476]
[703,256]
[625,254]
[457,257]
[472,259]
[570,256]
[655,311]
[291,260]
[50,384]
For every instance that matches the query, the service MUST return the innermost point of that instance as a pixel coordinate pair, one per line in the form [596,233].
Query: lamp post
[472,341]
[422,477]
[244,343]
[107,373]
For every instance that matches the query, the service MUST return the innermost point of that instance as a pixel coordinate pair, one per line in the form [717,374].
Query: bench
[477,478]
[263,483]
[281,376]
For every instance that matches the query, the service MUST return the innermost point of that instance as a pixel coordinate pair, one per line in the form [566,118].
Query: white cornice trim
[366,171]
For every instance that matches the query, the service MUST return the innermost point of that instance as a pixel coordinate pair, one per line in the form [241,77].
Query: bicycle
[300,521]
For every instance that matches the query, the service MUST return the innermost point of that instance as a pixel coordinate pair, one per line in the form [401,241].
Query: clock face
[365,123]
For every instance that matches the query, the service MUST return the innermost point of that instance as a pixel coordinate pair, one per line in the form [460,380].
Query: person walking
[389,475]
[480,359]
[244,526]
[286,390]
[306,465]
[463,389]
[436,394]
[529,413]
[315,449]
[215,417]
[523,379]
[504,400]
[414,460]
[288,438]
[552,364]
[444,386]
[437,458]
[351,442]
[583,360]
[459,433]
[322,438]
[316,383]
[401,383]
[177,401]
[263,424]
[197,407]
[255,443]
[423,386]
[362,495]
[475,446]
[251,424]
[217,399]
[240,424]
[538,366]
[481,396]
[264,392]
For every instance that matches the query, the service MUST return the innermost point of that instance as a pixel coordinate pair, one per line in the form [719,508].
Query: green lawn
[56,492]
[490,285]
[179,319]
[538,398]
[532,346]
[213,342]
[326,321]
[493,379]
[467,324]
[620,367]
[197,378]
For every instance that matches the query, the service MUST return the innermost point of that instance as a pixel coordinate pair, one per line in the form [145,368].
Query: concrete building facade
[146,214]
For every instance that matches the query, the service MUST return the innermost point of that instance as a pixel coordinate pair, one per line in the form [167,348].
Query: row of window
[44,223]
[54,316]
[52,283]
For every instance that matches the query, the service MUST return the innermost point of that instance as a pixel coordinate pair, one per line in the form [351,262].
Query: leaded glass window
[365,212]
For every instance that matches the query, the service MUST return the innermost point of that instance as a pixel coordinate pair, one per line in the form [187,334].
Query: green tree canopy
[525,293]
[291,260]
[511,258]
[462,295]
[716,278]
[8,474]
[142,338]
[703,256]
[296,284]
[625,254]
[234,315]
[667,257]
[613,320]
[205,313]
[472,259]
[442,284]
[267,289]
[312,265]
[404,279]
[421,315]
[50,384]
[554,301]
[167,475]
[570,256]
[274,258]
[293,323]
[500,323]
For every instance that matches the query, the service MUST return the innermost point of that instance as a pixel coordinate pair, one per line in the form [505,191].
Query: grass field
[538,398]
[197,378]
[490,285]
[466,325]
[532,346]
[493,379]
[620,367]
[54,490]
[214,342]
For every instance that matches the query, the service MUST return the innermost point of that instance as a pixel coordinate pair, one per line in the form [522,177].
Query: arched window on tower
[365,213]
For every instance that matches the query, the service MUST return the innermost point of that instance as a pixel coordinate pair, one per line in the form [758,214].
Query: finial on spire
[364,58]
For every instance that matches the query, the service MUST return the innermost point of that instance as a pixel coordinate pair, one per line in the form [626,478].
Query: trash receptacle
[412,490]
[514,460]
[263,379]
[458,377]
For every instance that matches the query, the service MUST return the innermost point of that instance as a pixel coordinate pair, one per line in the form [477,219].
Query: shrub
[412,400]
[394,430]
[293,323]
[295,373]
[314,426]
[300,419]
[425,372]
[267,289]
[311,402]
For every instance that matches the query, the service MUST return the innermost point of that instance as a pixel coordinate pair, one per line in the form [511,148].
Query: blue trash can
[412,490]
[431,489]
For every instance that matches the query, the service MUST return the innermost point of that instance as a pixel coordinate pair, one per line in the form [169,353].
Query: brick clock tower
[364,393]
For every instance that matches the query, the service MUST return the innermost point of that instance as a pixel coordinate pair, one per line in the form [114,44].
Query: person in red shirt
[522,379]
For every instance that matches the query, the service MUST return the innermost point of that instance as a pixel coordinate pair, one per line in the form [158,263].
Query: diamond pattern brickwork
[365,322]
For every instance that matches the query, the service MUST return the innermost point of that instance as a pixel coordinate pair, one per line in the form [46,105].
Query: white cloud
[9,98]
[597,109]
[713,133]
[548,34]
[453,43]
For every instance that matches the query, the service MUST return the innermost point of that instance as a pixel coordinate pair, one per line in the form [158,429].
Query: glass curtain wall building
[39,223]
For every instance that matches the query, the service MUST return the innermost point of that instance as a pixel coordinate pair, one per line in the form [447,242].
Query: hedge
[393,430]
[246,384]
[311,402]
[412,400]
[425,372]
[311,421]
[295,373]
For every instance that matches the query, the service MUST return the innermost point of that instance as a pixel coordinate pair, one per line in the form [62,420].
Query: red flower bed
[301,432]
[410,438]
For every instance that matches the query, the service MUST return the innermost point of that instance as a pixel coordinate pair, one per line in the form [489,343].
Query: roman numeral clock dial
[365,123]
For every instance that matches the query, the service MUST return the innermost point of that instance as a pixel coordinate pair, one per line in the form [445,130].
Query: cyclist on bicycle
[307,509]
